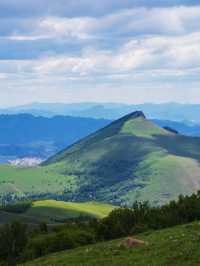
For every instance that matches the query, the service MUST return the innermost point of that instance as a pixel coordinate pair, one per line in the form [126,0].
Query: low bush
[57,241]
[19,207]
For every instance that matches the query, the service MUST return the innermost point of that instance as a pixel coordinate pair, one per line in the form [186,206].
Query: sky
[130,51]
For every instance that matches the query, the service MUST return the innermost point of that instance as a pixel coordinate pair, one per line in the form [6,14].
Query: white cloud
[136,48]
[3,76]
[128,22]
[67,27]
[174,20]
[16,37]
[145,53]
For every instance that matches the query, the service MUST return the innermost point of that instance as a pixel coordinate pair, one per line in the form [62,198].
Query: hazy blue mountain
[167,111]
[49,109]
[189,129]
[25,135]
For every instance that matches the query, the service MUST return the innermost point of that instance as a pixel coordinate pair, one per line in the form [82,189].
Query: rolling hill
[130,159]
[52,211]
[174,246]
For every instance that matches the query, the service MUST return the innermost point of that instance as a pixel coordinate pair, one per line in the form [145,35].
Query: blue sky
[104,51]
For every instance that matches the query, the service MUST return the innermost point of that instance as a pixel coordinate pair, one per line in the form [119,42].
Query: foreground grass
[179,245]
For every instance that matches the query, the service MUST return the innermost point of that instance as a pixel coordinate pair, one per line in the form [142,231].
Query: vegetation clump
[19,207]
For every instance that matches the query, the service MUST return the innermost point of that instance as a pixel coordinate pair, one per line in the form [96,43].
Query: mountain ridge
[164,111]
[116,127]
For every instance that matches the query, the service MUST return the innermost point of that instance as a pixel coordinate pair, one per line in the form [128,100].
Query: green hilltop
[130,159]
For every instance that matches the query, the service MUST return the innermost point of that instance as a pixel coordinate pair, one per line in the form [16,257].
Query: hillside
[130,159]
[175,246]
[52,211]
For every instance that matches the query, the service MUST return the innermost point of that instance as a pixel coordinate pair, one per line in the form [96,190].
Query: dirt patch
[131,242]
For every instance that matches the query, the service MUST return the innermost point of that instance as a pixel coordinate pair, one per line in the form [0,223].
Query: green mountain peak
[130,159]
[133,115]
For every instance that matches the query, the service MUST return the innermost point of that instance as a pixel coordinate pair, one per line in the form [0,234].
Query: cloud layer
[99,52]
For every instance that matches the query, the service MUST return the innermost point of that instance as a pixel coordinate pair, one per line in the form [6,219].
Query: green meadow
[52,211]
[177,246]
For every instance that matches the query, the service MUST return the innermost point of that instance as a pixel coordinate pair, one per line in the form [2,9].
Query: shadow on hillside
[179,145]
[121,159]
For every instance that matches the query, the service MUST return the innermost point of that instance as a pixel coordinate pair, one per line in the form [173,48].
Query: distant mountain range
[130,159]
[169,111]
[188,129]
[25,135]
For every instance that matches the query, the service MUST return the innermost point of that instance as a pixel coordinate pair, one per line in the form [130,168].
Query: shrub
[19,207]
[57,241]
[13,238]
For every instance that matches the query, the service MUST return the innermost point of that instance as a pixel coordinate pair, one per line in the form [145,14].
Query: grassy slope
[143,128]
[132,159]
[53,211]
[34,180]
[174,246]
[162,176]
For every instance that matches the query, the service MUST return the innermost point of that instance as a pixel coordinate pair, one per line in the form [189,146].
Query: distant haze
[188,113]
